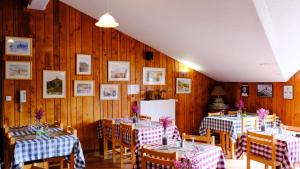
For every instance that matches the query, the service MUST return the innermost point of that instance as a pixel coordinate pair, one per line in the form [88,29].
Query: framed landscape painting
[54,84]
[118,71]
[154,76]
[109,92]
[183,85]
[288,92]
[83,64]
[18,46]
[17,70]
[265,90]
[83,88]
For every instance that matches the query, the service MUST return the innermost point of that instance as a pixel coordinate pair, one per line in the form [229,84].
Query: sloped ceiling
[230,41]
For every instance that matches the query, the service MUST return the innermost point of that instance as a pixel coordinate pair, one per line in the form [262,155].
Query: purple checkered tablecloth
[193,156]
[287,148]
[227,123]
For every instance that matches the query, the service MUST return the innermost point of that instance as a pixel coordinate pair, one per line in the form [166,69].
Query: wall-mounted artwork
[83,64]
[118,71]
[154,76]
[245,90]
[265,90]
[83,88]
[18,46]
[54,84]
[288,92]
[109,92]
[17,70]
[183,85]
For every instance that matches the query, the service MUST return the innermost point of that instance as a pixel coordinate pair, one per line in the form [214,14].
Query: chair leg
[114,151]
[105,149]
[227,143]
[132,156]
[266,166]
[61,164]
[121,155]
[222,140]
[248,162]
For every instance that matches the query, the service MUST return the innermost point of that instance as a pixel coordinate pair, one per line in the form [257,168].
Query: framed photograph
[288,92]
[183,85]
[17,70]
[245,90]
[154,76]
[18,46]
[83,64]
[265,90]
[54,84]
[118,71]
[109,92]
[83,88]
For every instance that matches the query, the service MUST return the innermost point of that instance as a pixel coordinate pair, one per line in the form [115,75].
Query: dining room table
[146,132]
[193,155]
[32,144]
[287,146]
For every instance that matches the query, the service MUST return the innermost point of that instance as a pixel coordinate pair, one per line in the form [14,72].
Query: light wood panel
[288,110]
[59,33]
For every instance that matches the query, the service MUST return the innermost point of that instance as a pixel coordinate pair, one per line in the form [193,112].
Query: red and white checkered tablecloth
[287,149]
[191,156]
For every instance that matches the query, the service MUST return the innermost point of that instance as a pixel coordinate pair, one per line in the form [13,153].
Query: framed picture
[118,71]
[54,84]
[265,90]
[245,90]
[83,64]
[183,85]
[288,92]
[18,46]
[154,76]
[17,70]
[83,88]
[109,92]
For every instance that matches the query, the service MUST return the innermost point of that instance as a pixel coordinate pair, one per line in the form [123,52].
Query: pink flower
[135,108]
[39,114]
[165,121]
[240,104]
[262,113]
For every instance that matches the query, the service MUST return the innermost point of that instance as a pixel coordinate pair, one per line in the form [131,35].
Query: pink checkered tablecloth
[287,148]
[192,156]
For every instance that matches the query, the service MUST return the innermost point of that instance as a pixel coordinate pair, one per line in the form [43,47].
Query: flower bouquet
[38,116]
[136,111]
[166,122]
[262,113]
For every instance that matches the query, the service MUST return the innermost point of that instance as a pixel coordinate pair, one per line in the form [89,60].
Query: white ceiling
[227,40]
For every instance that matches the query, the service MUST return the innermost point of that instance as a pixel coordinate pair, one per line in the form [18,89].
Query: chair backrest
[270,118]
[108,124]
[232,112]
[290,128]
[204,139]
[215,114]
[57,124]
[158,158]
[71,130]
[127,135]
[248,122]
[143,117]
[263,140]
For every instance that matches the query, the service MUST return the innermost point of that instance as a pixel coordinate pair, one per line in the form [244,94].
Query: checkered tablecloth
[44,147]
[227,123]
[193,156]
[287,148]
[146,132]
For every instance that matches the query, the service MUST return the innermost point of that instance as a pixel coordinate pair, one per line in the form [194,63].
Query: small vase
[165,138]
[262,127]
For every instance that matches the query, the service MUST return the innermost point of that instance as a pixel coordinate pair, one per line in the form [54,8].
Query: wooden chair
[216,114]
[232,112]
[248,122]
[270,119]
[109,125]
[265,140]
[143,117]
[159,158]
[221,133]
[290,128]
[127,131]
[204,139]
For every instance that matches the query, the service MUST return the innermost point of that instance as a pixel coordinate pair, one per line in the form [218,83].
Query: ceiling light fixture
[106,20]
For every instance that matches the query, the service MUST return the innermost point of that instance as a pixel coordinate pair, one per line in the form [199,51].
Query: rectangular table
[197,155]
[29,147]
[287,148]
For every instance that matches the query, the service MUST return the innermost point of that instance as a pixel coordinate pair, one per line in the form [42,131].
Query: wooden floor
[96,161]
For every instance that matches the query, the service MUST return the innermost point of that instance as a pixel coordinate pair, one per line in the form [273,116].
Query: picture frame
[83,64]
[244,90]
[84,87]
[18,46]
[109,92]
[18,70]
[154,76]
[118,71]
[183,85]
[265,90]
[288,92]
[54,84]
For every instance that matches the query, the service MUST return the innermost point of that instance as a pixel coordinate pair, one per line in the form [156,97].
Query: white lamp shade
[107,21]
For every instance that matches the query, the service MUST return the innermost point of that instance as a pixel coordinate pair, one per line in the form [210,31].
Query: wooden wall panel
[288,110]
[59,33]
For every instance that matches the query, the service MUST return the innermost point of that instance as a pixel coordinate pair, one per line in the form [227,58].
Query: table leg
[232,155]
[222,140]
[227,143]
[72,161]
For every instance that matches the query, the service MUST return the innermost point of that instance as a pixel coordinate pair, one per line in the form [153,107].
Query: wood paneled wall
[59,33]
[288,110]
